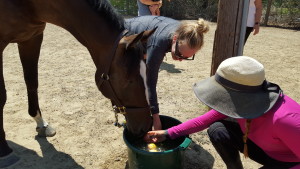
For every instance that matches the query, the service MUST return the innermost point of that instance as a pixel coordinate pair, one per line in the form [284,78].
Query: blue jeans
[227,138]
[248,32]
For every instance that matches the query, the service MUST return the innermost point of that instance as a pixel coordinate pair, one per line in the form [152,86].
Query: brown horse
[120,74]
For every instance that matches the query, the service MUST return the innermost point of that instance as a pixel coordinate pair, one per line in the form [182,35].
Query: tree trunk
[226,42]
[268,12]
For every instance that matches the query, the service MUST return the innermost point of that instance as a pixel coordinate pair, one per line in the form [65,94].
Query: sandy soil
[86,136]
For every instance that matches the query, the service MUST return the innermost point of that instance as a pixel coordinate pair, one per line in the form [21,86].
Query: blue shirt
[143,9]
[159,43]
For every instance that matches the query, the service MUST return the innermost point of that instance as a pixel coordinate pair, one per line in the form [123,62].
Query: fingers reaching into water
[155,136]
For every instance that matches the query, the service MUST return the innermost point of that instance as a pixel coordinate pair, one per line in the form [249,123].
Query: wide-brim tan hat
[238,89]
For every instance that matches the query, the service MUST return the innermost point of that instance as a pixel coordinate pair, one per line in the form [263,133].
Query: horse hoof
[9,160]
[47,131]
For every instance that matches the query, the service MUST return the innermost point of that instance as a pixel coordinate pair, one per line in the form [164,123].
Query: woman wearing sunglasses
[182,38]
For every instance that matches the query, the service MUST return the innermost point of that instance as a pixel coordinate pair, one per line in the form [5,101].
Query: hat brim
[233,103]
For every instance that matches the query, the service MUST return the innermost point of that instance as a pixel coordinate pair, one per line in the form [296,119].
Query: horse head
[125,85]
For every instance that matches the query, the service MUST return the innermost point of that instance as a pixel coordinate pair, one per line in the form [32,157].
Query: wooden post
[226,42]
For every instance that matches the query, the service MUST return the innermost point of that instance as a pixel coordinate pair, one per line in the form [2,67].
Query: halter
[105,84]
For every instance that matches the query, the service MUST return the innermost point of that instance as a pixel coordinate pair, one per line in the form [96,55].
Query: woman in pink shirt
[268,122]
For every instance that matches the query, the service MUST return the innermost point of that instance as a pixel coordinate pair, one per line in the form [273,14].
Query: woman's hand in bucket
[155,136]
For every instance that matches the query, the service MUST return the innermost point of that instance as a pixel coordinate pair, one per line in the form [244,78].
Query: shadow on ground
[170,68]
[196,157]
[50,159]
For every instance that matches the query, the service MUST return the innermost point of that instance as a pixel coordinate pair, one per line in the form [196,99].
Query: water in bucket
[155,147]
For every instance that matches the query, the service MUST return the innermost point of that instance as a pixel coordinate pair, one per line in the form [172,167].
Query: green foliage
[283,12]
[191,9]
[125,7]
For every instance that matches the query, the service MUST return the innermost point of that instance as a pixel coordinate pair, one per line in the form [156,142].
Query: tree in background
[283,13]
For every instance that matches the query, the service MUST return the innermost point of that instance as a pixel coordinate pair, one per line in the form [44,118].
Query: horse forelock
[109,13]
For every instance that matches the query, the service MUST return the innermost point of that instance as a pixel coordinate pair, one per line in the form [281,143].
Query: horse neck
[77,17]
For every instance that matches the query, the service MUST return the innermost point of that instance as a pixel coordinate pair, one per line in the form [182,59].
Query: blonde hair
[192,32]
[245,138]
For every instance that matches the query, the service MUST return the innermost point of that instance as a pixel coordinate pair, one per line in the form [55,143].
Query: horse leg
[7,157]
[4,148]
[29,54]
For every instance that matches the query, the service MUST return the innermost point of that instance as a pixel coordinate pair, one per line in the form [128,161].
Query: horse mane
[131,60]
[109,13]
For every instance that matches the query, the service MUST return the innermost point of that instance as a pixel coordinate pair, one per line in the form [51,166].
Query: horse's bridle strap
[104,75]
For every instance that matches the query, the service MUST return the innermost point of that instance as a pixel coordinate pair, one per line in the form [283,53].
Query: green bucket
[170,159]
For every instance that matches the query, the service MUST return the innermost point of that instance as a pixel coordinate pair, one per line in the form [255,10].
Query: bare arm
[150,2]
[258,13]
[156,122]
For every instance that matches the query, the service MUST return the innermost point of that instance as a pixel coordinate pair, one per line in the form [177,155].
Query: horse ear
[147,34]
[143,37]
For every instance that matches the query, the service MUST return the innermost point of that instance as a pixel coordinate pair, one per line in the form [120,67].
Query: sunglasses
[180,56]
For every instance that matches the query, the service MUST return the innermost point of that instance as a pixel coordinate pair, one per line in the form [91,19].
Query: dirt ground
[83,118]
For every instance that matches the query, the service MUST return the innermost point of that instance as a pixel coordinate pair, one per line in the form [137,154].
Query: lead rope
[245,137]
[117,110]
[117,124]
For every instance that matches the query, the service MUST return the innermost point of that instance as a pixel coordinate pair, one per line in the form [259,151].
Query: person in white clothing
[254,15]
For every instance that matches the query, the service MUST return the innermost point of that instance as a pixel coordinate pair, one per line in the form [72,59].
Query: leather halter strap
[118,107]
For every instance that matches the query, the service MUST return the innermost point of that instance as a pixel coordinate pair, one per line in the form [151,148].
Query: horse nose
[138,124]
